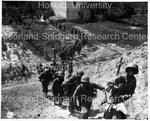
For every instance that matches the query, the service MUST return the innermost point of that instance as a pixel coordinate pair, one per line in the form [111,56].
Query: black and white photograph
[74,60]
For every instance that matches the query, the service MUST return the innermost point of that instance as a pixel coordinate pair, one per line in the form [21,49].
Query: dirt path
[27,101]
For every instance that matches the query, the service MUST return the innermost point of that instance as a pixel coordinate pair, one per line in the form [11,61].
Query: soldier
[121,88]
[84,40]
[66,51]
[71,85]
[85,93]
[23,69]
[73,82]
[54,52]
[62,55]
[79,48]
[76,42]
[57,87]
[71,52]
[70,68]
[40,68]
[45,77]
[53,70]
[54,63]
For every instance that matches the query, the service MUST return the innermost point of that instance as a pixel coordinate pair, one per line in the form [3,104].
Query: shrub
[119,11]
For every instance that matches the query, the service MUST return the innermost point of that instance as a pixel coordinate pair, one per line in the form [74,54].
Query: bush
[15,73]
[119,11]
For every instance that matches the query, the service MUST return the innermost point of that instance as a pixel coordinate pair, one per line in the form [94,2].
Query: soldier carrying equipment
[57,87]
[71,85]
[73,82]
[85,93]
[40,68]
[45,77]
[70,67]
[121,88]
[71,52]
[79,48]
[62,55]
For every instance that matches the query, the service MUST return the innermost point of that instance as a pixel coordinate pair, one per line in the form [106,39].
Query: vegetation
[18,11]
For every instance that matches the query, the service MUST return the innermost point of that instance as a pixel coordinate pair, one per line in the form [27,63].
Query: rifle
[119,66]
[118,70]
[108,88]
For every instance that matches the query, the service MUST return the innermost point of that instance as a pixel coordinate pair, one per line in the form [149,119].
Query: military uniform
[83,41]
[57,87]
[71,85]
[71,52]
[124,85]
[79,48]
[70,68]
[85,95]
[53,68]
[76,42]
[40,68]
[121,88]
[62,55]
[54,52]
[45,77]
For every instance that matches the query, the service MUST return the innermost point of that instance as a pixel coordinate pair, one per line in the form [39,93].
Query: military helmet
[80,73]
[46,66]
[85,79]
[40,64]
[51,64]
[134,66]
[46,69]
[60,73]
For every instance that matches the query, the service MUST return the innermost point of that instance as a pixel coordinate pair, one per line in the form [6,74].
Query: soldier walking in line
[40,68]
[85,92]
[62,55]
[45,77]
[71,85]
[54,52]
[79,48]
[72,52]
[70,67]
[57,88]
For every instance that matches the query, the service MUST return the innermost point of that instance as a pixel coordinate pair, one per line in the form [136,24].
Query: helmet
[85,79]
[134,66]
[40,64]
[46,66]
[60,73]
[46,69]
[51,63]
[80,73]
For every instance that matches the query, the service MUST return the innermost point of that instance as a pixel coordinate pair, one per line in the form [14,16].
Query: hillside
[98,60]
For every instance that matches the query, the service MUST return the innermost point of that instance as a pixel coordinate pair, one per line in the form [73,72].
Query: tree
[117,11]
[143,10]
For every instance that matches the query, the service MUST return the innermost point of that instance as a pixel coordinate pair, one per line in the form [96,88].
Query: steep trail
[99,61]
